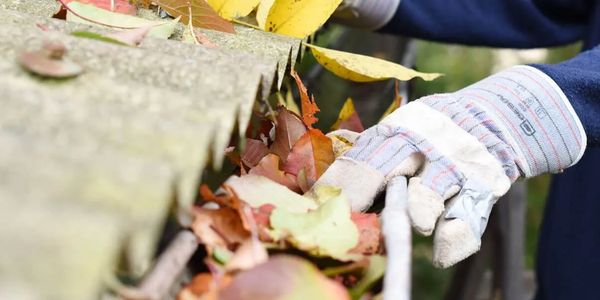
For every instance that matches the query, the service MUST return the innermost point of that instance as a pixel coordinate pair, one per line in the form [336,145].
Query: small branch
[169,266]
[246,24]
[398,241]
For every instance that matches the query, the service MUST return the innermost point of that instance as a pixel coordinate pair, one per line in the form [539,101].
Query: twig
[397,234]
[169,266]
[246,24]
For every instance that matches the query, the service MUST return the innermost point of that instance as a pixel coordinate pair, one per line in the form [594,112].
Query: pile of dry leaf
[264,239]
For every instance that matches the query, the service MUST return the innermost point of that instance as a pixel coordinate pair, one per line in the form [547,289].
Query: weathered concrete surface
[90,166]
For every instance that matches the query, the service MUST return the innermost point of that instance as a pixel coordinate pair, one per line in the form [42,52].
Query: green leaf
[373,273]
[96,36]
[326,231]
[162,30]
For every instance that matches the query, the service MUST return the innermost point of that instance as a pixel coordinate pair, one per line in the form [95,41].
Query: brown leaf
[309,106]
[348,118]
[313,153]
[255,150]
[202,14]
[369,229]
[49,61]
[219,227]
[288,131]
[283,277]
[269,167]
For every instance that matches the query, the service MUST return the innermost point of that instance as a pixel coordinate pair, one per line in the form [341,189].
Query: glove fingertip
[453,242]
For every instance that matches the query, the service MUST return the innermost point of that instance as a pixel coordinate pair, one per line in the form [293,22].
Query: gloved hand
[366,14]
[462,151]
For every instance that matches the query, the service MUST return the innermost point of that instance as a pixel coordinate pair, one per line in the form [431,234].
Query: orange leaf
[218,227]
[288,131]
[348,118]
[201,13]
[269,167]
[395,103]
[309,106]
[369,229]
[313,152]
[203,284]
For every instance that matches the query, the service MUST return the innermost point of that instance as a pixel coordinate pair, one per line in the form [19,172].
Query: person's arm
[463,150]
[496,23]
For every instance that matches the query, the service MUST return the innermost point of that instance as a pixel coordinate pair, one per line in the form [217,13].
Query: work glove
[366,14]
[461,152]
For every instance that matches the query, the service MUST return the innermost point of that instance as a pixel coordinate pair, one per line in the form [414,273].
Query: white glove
[366,14]
[463,150]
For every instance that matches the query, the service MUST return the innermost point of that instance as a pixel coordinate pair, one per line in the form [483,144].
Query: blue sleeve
[495,23]
[579,79]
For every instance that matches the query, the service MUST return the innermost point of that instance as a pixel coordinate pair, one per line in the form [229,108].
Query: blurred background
[461,66]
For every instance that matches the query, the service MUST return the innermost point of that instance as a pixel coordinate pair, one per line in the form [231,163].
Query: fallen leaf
[248,255]
[202,284]
[288,131]
[348,118]
[309,106]
[131,37]
[117,6]
[218,227]
[49,61]
[313,152]
[299,18]
[369,230]
[262,215]
[202,14]
[262,12]
[395,103]
[361,68]
[340,143]
[326,231]
[269,167]
[231,9]
[254,151]
[283,277]
[373,273]
[161,29]
[257,191]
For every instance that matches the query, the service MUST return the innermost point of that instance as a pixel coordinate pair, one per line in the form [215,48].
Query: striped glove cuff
[524,109]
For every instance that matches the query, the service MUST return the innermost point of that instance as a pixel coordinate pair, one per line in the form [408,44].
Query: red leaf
[348,118]
[369,229]
[201,13]
[254,152]
[121,6]
[262,215]
[288,131]
[283,277]
[313,152]
[269,167]
[309,106]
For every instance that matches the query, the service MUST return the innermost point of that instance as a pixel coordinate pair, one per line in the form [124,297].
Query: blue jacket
[519,24]
[568,251]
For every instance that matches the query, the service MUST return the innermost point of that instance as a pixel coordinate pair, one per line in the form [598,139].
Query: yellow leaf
[299,18]
[231,9]
[361,68]
[264,7]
